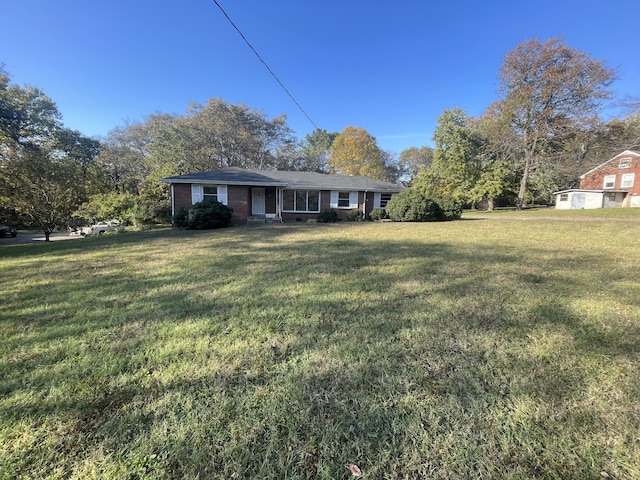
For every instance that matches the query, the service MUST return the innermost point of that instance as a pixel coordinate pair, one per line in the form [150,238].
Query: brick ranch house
[273,195]
[614,183]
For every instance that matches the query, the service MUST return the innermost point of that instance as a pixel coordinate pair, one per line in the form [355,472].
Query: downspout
[173,204]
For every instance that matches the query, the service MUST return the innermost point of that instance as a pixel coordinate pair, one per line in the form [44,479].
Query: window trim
[344,199]
[295,192]
[354,196]
[197,193]
[609,179]
[212,195]
[627,177]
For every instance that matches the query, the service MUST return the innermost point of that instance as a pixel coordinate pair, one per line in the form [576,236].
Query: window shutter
[334,199]
[353,199]
[222,194]
[196,193]
[376,200]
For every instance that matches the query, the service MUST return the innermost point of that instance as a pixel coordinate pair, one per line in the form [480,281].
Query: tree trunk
[46,235]
[490,204]
[524,181]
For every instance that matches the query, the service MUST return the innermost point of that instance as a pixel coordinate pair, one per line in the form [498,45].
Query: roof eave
[208,181]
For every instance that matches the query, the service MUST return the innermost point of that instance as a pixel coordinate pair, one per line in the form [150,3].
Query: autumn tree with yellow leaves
[356,152]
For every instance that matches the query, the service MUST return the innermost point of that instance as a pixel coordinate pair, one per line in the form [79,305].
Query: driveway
[36,237]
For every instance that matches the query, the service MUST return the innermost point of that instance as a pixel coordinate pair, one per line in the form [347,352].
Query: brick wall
[238,198]
[595,179]
[181,196]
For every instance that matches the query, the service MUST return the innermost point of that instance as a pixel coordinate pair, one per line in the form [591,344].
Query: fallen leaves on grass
[353,468]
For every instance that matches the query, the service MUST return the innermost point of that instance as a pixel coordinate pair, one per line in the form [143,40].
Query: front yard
[470,349]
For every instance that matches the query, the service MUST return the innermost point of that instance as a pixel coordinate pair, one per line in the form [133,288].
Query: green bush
[378,214]
[181,218]
[204,215]
[140,216]
[354,216]
[107,206]
[327,216]
[448,208]
[411,206]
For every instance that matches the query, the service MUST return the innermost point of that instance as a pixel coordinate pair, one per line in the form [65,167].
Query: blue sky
[389,67]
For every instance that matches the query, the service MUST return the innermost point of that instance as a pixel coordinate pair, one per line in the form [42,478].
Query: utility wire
[265,64]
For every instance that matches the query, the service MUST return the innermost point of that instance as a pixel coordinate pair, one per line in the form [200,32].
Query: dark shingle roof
[228,176]
[279,178]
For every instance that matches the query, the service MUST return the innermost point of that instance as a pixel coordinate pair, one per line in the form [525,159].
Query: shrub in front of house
[181,218]
[327,216]
[354,216]
[204,215]
[412,206]
[448,208]
[378,214]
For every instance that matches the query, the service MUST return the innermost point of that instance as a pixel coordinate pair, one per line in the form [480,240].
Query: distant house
[279,195]
[615,183]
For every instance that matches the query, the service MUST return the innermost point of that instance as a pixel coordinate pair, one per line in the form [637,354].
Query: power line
[265,64]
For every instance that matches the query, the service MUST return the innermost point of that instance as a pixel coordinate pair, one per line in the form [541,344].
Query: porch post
[278,210]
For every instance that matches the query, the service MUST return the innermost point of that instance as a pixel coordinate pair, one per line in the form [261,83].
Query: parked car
[102,227]
[6,231]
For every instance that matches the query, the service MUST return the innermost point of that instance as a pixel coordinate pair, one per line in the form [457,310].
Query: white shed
[587,199]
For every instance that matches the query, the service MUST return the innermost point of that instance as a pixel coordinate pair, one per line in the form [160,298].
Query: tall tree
[620,134]
[456,159]
[392,168]
[315,150]
[44,168]
[123,158]
[218,135]
[411,160]
[549,91]
[497,175]
[356,152]
[27,116]
[43,189]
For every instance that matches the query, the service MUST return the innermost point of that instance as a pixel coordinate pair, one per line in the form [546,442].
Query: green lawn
[505,347]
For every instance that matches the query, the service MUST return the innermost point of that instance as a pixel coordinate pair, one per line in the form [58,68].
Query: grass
[471,349]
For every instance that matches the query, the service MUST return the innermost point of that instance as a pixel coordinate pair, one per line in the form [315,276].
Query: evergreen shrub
[411,206]
[354,216]
[448,208]
[327,216]
[204,215]
[378,214]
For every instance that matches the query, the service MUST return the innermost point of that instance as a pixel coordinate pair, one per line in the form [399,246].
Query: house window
[344,199]
[564,197]
[380,200]
[627,180]
[624,162]
[210,192]
[384,199]
[301,201]
[200,192]
[609,181]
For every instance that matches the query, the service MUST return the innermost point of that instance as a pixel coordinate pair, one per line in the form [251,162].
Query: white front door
[257,201]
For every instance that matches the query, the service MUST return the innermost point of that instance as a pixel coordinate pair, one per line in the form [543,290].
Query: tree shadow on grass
[333,354]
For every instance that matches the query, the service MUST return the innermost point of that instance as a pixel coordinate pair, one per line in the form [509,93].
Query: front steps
[259,220]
